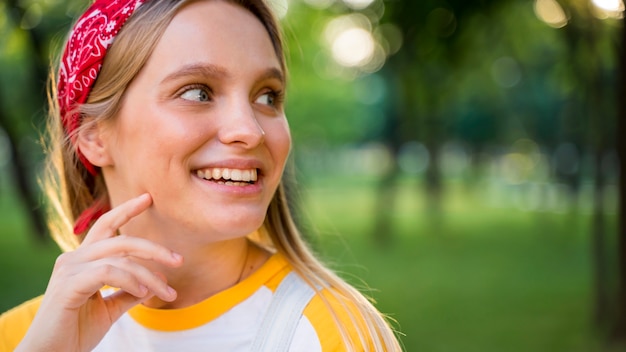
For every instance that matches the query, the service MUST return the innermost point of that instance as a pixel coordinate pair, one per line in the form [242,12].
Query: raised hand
[73,315]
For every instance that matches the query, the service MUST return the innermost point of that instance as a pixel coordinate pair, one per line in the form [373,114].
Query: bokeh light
[607,9]
[522,162]
[454,159]
[320,4]
[339,24]
[353,47]
[358,4]
[413,158]
[609,5]
[390,37]
[550,12]
[352,43]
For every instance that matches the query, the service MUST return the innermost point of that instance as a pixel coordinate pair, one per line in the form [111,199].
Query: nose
[239,125]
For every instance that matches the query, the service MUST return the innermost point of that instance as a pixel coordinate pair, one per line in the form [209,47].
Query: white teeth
[235,175]
[238,176]
[245,175]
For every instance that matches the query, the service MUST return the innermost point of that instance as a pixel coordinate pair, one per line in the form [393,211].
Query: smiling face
[202,126]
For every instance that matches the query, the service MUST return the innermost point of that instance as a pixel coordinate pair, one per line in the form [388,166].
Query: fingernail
[177,257]
[143,290]
[171,291]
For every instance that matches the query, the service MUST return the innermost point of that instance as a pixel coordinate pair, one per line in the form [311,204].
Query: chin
[230,228]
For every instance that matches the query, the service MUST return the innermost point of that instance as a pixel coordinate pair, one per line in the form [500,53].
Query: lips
[228,176]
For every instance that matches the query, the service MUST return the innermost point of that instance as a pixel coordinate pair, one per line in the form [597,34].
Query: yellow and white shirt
[227,321]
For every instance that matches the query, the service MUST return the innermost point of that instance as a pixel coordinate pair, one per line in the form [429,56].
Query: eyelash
[191,87]
[278,96]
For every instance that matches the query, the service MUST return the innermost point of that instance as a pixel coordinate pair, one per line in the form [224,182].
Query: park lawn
[475,278]
[25,263]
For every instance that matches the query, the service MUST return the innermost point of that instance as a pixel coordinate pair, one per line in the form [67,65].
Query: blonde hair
[71,189]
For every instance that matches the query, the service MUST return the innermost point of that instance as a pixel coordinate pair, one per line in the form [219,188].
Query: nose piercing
[262,139]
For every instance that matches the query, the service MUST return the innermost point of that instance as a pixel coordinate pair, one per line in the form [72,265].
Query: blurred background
[457,160]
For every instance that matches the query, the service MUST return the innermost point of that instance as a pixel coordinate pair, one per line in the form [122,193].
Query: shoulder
[333,315]
[15,322]
[337,320]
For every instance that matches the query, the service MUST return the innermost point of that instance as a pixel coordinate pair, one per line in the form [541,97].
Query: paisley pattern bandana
[80,65]
[82,58]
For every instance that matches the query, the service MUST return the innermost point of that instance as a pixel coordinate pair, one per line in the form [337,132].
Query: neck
[209,270]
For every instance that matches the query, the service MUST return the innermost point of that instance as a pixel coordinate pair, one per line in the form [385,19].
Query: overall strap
[280,321]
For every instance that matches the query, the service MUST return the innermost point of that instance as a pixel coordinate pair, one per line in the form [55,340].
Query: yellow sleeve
[325,325]
[15,322]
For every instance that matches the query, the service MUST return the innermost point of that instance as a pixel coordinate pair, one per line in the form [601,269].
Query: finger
[75,284]
[121,301]
[132,277]
[120,273]
[110,222]
[129,246]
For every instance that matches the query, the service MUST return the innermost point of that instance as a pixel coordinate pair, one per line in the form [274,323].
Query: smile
[229,177]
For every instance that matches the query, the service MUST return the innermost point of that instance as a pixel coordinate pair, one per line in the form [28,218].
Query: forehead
[217,33]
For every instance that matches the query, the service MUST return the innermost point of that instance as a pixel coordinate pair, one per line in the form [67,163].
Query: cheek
[278,138]
[141,148]
[155,131]
[134,142]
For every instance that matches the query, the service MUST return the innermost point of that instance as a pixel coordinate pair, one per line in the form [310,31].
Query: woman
[168,142]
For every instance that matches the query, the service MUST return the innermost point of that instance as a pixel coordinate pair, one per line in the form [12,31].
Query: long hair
[71,189]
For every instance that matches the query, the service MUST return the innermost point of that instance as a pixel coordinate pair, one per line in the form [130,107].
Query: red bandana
[82,59]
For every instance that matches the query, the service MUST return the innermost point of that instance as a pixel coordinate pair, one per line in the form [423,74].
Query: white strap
[280,321]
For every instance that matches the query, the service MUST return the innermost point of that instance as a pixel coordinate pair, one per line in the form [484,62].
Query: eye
[271,98]
[196,94]
[266,99]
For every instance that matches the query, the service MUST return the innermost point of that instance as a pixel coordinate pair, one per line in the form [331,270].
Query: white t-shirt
[227,321]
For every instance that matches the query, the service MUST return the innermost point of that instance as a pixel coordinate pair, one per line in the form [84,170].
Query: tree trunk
[21,175]
[619,334]
[387,190]
[385,204]
[21,172]
[602,313]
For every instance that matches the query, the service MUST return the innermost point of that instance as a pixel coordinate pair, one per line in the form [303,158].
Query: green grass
[25,264]
[474,278]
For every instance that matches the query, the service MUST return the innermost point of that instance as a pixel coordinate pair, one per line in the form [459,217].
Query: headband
[80,65]
[82,58]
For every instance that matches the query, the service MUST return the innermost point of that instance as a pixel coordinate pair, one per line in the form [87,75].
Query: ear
[92,142]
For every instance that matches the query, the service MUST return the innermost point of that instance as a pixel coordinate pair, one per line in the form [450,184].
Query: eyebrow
[273,73]
[215,71]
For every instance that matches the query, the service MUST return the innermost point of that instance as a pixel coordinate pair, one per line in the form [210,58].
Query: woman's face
[202,126]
